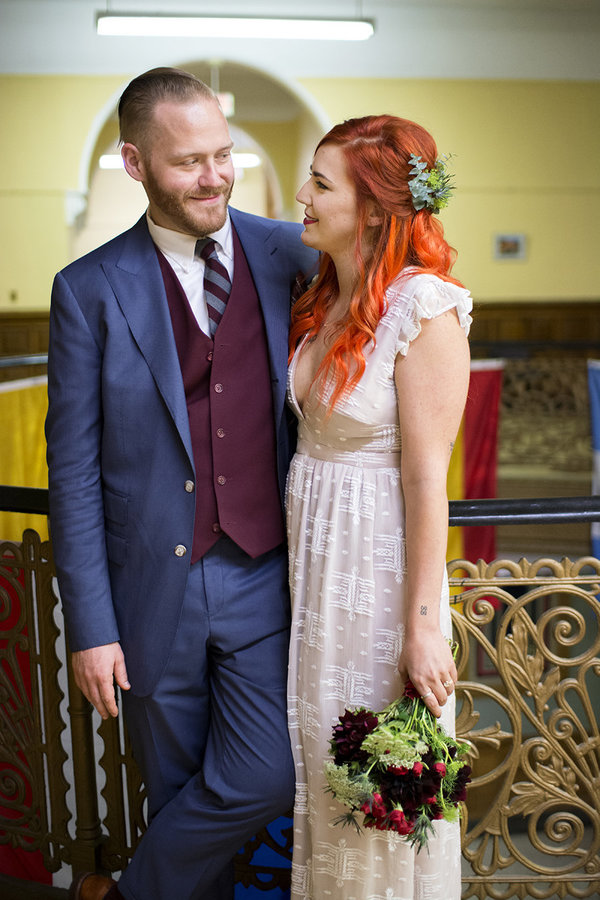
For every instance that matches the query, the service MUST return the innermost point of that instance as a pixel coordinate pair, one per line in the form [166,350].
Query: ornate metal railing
[529,667]
[529,662]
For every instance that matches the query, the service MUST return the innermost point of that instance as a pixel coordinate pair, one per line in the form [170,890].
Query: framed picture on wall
[509,246]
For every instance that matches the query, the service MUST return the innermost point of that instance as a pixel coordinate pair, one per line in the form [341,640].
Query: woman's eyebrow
[319,175]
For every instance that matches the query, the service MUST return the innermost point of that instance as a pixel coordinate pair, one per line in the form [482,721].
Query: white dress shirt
[179,249]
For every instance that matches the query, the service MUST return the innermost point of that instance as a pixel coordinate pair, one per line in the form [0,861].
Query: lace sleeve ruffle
[427,296]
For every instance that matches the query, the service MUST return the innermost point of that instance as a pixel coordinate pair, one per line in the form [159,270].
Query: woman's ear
[375,216]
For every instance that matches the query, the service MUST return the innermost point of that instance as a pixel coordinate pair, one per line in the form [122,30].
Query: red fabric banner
[481,451]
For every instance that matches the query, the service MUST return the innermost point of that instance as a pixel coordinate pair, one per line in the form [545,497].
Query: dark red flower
[441,768]
[410,690]
[399,822]
[378,806]
[459,791]
[349,734]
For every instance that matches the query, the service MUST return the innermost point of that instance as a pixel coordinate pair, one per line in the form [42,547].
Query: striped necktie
[217,285]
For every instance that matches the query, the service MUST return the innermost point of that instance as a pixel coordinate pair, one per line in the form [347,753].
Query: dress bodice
[363,428]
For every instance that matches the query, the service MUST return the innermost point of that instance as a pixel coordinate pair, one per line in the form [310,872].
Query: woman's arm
[432,382]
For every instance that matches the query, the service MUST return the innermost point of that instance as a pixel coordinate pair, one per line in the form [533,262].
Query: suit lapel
[272,282]
[139,288]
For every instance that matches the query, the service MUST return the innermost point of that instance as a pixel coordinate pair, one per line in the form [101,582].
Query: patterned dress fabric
[345,520]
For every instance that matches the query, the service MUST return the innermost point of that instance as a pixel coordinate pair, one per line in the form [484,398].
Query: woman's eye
[321,186]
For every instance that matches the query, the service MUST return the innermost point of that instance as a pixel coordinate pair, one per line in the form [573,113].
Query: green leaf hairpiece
[430,188]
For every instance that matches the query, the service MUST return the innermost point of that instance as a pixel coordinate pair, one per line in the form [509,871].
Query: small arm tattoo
[451,447]
[423,609]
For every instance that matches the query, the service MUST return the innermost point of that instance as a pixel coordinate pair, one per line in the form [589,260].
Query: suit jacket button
[180,550]
[189,486]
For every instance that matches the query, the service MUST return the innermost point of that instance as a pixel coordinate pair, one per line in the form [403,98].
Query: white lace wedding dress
[345,520]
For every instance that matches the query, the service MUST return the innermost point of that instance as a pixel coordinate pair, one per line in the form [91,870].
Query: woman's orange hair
[377,150]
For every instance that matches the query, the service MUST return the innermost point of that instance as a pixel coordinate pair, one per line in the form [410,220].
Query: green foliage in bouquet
[398,768]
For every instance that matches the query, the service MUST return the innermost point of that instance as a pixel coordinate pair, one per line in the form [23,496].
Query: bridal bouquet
[398,768]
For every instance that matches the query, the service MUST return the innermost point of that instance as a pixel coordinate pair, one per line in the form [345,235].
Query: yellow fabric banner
[456,491]
[23,407]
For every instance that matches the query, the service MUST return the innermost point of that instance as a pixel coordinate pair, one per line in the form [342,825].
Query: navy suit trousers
[211,740]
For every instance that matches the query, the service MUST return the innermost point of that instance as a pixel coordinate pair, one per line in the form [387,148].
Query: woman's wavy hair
[377,151]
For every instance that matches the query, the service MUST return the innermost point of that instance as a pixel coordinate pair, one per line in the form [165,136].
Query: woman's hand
[426,660]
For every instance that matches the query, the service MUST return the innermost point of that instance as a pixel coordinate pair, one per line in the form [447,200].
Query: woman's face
[330,203]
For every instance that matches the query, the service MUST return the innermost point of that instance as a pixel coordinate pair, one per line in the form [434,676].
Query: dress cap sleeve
[427,296]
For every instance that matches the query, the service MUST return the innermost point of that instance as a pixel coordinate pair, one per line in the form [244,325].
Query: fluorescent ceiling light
[134,25]
[110,161]
[240,160]
[246,160]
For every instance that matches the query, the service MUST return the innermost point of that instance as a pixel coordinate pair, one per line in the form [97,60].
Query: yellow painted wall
[45,124]
[280,140]
[524,156]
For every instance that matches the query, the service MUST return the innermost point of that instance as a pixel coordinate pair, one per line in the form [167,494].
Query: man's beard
[175,207]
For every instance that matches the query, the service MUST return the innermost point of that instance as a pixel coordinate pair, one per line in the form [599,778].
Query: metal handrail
[23,500]
[37,359]
[527,510]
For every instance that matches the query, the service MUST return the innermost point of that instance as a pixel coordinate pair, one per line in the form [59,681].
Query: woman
[379,361]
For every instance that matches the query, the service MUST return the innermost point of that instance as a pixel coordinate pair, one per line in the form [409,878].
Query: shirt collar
[180,248]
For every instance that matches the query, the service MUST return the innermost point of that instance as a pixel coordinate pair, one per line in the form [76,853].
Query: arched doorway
[276,122]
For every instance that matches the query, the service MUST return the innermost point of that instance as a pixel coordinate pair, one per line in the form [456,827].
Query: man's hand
[94,670]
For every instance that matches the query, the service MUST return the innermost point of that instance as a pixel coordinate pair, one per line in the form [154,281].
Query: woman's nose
[302,195]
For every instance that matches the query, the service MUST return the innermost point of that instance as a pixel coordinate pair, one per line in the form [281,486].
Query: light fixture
[140,25]
[240,161]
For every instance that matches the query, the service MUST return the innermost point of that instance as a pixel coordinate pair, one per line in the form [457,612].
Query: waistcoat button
[209,355]
[189,486]
[180,550]
[216,527]
[220,432]
[221,479]
[218,388]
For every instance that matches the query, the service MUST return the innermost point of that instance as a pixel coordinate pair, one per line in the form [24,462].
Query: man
[168,447]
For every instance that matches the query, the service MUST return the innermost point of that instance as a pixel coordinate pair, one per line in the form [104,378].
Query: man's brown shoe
[90,886]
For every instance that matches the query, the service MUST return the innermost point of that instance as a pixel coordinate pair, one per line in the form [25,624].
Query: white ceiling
[545,39]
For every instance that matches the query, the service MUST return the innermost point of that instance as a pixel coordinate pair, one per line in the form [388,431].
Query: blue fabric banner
[594,391]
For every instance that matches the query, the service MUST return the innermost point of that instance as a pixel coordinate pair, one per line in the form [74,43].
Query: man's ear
[132,160]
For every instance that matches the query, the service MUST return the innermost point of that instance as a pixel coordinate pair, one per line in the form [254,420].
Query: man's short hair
[140,97]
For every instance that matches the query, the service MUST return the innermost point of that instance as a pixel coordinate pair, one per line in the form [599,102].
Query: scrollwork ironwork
[35,814]
[532,823]
[532,726]
[545,414]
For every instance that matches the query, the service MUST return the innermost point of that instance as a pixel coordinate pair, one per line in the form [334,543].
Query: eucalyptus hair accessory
[430,188]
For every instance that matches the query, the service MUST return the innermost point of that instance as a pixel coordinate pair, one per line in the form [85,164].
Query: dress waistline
[361,459]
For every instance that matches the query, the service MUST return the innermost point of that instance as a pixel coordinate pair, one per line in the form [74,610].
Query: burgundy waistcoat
[228,394]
